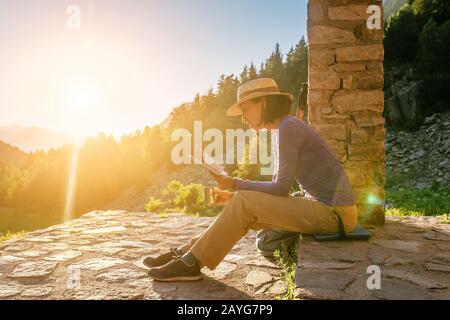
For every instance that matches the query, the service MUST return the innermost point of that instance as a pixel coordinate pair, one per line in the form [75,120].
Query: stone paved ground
[107,248]
[413,254]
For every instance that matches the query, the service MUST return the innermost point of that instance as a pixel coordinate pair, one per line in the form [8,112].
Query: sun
[82,98]
[83,105]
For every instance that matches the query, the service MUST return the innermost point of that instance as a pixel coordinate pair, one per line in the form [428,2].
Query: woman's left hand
[220,197]
[225,182]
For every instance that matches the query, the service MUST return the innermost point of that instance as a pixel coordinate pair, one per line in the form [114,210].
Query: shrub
[188,198]
[10,235]
[154,205]
[193,197]
[174,186]
[287,259]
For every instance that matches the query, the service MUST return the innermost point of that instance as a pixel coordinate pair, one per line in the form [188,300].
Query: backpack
[268,241]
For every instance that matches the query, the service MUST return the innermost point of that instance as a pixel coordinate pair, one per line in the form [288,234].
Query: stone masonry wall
[346,97]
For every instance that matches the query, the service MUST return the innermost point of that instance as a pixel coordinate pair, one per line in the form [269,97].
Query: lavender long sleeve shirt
[304,157]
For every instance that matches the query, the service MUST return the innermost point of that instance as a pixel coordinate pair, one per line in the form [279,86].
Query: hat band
[258,90]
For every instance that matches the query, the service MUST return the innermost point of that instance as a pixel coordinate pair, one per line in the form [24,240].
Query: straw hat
[252,89]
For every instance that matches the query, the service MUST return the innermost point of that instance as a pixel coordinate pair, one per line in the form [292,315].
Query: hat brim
[235,110]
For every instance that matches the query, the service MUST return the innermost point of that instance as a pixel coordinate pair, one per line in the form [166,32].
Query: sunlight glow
[83,104]
[373,199]
[72,183]
[82,98]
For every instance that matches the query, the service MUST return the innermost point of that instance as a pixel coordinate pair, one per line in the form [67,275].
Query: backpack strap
[341,226]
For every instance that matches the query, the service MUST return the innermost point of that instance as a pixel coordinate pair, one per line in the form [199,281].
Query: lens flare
[72,182]
[373,199]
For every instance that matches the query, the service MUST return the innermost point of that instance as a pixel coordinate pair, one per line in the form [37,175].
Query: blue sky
[141,58]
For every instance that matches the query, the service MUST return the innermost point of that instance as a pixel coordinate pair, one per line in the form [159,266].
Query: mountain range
[31,139]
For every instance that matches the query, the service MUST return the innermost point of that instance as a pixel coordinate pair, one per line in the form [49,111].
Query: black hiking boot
[176,270]
[161,260]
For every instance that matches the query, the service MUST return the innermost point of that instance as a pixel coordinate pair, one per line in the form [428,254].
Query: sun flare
[82,98]
[83,106]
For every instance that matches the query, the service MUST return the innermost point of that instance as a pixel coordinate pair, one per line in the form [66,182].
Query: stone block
[314,113]
[393,289]
[321,58]
[326,279]
[369,151]
[315,11]
[372,34]
[379,133]
[319,97]
[367,81]
[339,149]
[375,67]
[319,34]
[358,100]
[327,80]
[347,82]
[371,195]
[336,116]
[351,12]
[326,110]
[350,67]
[373,52]
[368,119]
[331,131]
[358,136]
[365,173]
[370,214]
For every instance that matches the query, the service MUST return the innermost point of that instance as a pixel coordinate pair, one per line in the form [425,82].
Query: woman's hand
[225,182]
[220,197]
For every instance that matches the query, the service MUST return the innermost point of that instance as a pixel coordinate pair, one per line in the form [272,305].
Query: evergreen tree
[274,67]
[244,76]
[439,10]
[296,67]
[261,71]
[401,37]
[252,73]
[434,67]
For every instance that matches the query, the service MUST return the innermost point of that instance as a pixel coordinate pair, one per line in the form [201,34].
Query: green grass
[10,235]
[163,215]
[287,258]
[18,219]
[395,178]
[445,218]
[414,202]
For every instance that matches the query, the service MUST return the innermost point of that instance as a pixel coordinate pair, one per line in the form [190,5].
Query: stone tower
[346,97]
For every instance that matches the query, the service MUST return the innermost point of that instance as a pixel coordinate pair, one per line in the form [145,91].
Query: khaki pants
[257,210]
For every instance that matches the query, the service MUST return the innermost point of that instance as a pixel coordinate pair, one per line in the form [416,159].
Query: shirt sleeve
[290,141]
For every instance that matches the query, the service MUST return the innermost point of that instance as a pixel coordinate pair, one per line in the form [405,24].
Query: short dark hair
[277,106]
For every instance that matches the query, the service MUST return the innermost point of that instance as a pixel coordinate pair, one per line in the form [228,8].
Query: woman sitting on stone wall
[303,157]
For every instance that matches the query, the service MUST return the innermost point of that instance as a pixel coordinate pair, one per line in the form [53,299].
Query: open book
[209,164]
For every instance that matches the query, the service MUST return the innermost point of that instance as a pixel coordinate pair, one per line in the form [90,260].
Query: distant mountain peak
[12,127]
[11,154]
[34,138]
